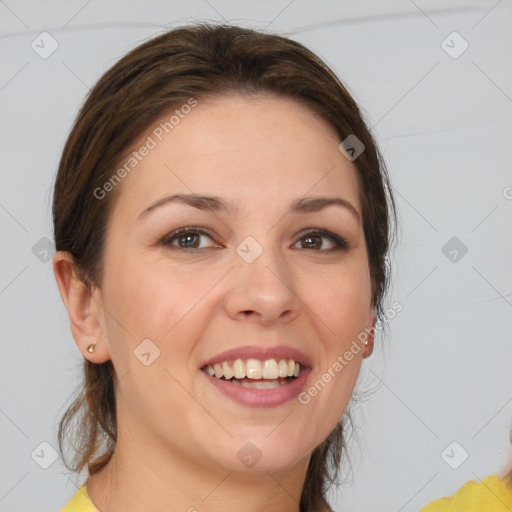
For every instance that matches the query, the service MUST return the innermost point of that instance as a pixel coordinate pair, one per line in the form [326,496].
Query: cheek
[148,303]
[147,299]
[157,301]
[342,302]
[341,310]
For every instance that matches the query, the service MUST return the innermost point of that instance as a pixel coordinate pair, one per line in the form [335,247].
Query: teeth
[228,372]
[238,369]
[270,369]
[253,368]
[262,384]
[283,368]
[217,368]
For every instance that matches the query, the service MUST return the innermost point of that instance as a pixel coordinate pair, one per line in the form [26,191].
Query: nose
[263,291]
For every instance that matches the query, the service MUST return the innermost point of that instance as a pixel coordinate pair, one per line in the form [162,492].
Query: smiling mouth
[255,373]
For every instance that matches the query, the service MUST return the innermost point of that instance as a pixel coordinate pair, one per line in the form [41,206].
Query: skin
[178,436]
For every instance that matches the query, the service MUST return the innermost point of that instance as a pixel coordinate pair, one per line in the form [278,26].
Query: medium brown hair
[198,61]
[508,478]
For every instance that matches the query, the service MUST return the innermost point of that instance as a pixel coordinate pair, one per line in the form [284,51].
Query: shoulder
[491,494]
[80,502]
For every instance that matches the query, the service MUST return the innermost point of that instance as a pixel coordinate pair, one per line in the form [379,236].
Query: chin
[261,453]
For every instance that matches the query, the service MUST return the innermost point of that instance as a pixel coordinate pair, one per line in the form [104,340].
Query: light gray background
[445,128]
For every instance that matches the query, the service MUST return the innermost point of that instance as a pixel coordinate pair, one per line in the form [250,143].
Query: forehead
[252,149]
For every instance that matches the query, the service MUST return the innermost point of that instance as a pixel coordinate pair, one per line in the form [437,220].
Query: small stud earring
[91,348]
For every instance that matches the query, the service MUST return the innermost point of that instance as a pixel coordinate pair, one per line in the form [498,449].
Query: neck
[155,479]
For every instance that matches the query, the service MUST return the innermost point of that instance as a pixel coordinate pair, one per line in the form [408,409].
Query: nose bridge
[262,281]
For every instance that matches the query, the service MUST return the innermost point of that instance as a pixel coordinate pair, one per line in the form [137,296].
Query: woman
[222,219]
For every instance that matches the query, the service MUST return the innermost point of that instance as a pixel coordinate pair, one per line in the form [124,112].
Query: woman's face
[249,282]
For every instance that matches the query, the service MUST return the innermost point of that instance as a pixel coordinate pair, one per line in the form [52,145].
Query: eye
[312,237]
[186,237]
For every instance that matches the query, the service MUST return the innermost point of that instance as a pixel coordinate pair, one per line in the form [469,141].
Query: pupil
[188,238]
[309,238]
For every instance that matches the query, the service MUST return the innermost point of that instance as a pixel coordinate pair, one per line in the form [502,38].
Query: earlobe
[86,321]
[370,331]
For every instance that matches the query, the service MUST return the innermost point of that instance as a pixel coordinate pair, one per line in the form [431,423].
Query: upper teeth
[254,369]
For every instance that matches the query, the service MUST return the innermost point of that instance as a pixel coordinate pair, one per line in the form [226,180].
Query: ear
[84,308]
[370,331]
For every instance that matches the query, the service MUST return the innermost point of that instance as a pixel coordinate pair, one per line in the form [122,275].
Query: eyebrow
[217,204]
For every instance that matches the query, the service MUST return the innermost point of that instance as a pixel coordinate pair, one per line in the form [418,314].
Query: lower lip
[261,397]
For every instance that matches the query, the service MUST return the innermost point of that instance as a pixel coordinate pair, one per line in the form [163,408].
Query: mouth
[256,373]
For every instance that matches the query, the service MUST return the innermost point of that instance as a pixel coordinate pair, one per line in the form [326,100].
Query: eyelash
[340,243]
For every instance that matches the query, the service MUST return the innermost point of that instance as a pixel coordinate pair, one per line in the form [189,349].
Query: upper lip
[260,352]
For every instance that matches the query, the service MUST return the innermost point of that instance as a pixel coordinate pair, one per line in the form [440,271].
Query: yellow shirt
[490,495]
[80,502]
